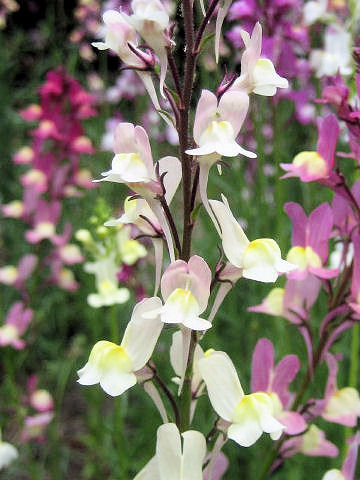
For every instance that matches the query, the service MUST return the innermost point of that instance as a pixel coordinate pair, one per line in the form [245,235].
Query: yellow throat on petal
[108,356]
[252,405]
[314,163]
[346,400]
[106,287]
[45,229]
[9,333]
[311,439]
[275,300]
[184,299]
[303,257]
[129,161]
[8,274]
[217,132]
[261,251]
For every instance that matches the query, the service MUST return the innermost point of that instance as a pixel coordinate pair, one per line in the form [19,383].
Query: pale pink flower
[185,287]
[16,323]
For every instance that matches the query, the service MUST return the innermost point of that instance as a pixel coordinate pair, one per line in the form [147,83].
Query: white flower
[260,259]
[115,366]
[258,75]
[173,461]
[108,293]
[249,415]
[336,56]
[314,10]
[333,474]
[8,453]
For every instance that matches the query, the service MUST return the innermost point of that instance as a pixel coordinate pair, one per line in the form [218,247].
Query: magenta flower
[275,380]
[339,405]
[45,220]
[16,323]
[355,283]
[318,165]
[309,241]
[32,113]
[345,219]
[312,443]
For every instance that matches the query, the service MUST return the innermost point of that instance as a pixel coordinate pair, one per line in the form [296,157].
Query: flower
[336,56]
[274,380]
[309,240]
[173,461]
[151,20]
[312,443]
[348,469]
[135,209]
[130,250]
[314,10]
[105,270]
[312,166]
[260,259]
[133,165]
[118,35]
[217,124]
[35,426]
[185,287]
[258,75]
[16,323]
[115,366]
[249,415]
[340,405]
[8,453]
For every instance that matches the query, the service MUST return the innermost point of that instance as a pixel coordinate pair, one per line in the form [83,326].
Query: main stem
[190,61]
[192,44]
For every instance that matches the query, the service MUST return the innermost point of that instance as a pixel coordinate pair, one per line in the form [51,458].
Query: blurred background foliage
[92,435]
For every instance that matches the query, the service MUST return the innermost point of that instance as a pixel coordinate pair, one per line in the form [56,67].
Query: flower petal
[115,383]
[168,451]
[142,333]
[223,385]
[194,451]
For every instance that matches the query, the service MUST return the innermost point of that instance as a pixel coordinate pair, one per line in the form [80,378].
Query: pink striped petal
[261,365]
[284,373]
[298,223]
[319,229]
[328,135]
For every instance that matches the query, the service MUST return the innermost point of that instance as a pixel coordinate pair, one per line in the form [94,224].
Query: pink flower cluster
[54,174]
[338,274]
